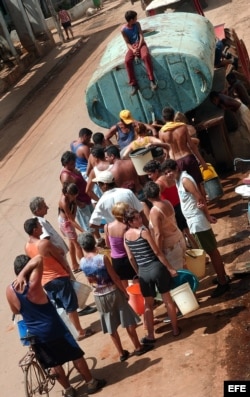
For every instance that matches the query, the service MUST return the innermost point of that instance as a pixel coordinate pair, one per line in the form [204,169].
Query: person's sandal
[147,341]
[144,349]
[135,88]
[124,356]
[88,332]
[70,392]
[95,385]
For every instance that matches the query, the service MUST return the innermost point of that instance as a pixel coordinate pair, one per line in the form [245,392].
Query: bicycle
[37,380]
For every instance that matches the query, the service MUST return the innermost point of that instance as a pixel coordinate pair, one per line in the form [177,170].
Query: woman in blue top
[110,295]
[153,270]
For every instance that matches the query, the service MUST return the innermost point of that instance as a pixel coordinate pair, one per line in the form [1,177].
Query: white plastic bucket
[196,261]
[140,157]
[67,322]
[184,298]
[82,291]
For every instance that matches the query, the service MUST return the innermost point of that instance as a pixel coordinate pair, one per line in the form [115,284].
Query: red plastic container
[136,299]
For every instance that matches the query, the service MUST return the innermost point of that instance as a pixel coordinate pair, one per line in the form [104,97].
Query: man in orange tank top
[56,273]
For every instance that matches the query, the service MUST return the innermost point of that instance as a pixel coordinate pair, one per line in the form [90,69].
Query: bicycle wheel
[35,381]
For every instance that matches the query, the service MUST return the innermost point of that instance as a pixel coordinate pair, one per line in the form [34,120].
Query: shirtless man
[181,147]
[123,171]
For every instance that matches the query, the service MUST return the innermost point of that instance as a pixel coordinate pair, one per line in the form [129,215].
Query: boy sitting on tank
[137,48]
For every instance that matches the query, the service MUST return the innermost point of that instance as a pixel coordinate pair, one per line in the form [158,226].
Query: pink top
[64,16]
[117,247]
[81,184]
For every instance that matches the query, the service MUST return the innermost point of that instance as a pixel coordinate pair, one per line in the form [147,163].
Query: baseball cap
[104,177]
[126,116]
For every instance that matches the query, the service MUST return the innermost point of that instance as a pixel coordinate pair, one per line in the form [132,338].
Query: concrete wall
[76,12]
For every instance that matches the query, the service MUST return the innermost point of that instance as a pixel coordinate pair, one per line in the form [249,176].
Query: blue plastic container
[23,332]
[185,276]
[182,47]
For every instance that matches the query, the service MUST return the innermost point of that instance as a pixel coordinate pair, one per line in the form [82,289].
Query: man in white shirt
[112,195]
[39,209]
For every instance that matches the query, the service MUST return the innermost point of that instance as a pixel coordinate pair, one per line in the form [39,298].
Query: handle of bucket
[191,255]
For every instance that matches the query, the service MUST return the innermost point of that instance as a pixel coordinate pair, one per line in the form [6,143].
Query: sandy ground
[214,344]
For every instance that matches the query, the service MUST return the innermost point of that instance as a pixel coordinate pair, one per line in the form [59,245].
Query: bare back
[178,139]
[124,172]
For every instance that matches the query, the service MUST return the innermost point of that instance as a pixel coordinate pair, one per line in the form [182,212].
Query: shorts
[61,291]
[180,218]
[115,310]
[152,275]
[66,25]
[58,351]
[67,229]
[206,240]
[190,164]
[123,268]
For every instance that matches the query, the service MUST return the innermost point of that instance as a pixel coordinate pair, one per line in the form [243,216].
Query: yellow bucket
[196,261]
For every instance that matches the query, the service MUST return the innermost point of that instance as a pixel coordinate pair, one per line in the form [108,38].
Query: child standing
[65,19]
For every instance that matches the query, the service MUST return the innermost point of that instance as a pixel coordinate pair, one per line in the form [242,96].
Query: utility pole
[54,16]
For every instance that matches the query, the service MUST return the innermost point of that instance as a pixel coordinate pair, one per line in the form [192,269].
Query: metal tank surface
[182,47]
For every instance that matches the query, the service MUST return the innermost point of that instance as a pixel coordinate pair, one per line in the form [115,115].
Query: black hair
[129,215]
[151,190]
[20,262]
[152,166]
[30,225]
[70,188]
[169,165]
[85,131]
[98,152]
[113,150]
[130,15]
[87,241]
[213,95]
[168,114]
[67,157]
[98,138]
[231,77]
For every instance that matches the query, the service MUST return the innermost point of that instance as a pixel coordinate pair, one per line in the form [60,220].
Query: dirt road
[214,344]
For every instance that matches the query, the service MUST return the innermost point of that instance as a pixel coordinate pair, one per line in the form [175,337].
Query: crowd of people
[147,222]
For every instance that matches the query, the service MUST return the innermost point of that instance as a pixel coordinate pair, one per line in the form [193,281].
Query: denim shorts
[61,291]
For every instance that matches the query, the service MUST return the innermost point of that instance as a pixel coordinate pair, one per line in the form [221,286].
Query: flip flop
[144,349]
[76,270]
[87,310]
[124,356]
[88,332]
[146,341]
